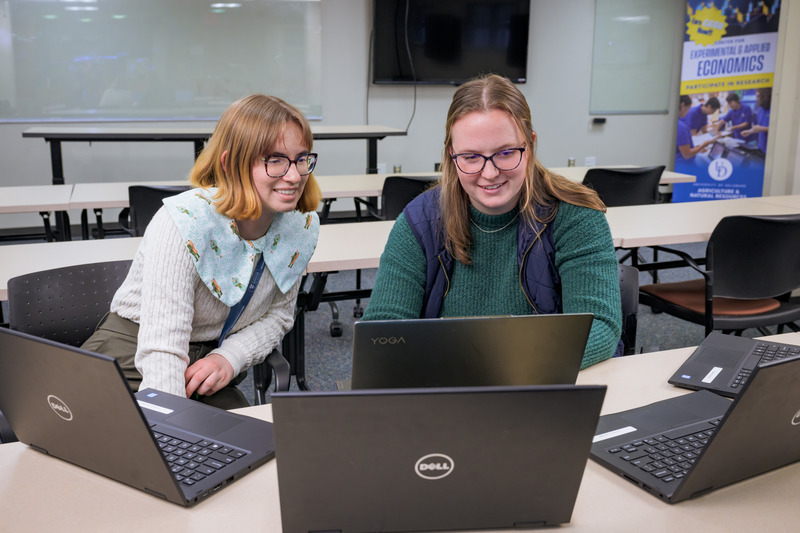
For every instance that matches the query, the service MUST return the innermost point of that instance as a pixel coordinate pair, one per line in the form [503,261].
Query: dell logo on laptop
[434,466]
[59,407]
[796,419]
[387,340]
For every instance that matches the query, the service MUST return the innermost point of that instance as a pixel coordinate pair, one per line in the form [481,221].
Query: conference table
[115,194]
[196,134]
[41,493]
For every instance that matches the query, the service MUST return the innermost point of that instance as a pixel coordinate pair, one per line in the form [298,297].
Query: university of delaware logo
[59,407]
[434,466]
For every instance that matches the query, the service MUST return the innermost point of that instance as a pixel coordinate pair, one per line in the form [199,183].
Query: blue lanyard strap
[236,310]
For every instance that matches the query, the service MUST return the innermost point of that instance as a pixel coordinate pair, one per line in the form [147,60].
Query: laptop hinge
[39,449]
[529,525]
[154,493]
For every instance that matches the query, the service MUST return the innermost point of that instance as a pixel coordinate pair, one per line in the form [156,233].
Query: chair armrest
[688,259]
[372,209]
[124,221]
[276,364]
[280,366]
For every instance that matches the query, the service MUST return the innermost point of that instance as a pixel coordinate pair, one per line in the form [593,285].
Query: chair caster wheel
[336,329]
[358,311]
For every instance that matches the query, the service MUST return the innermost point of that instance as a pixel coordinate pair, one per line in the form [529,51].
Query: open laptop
[472,351]
[76,405]
[723,363]
[692,444]
[432,459]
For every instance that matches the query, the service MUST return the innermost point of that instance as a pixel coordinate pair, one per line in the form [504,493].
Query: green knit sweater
[584,257]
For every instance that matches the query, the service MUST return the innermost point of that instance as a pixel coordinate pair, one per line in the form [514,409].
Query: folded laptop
[473,351]
[76,405]
[432,459]
[723,363]
[692,444]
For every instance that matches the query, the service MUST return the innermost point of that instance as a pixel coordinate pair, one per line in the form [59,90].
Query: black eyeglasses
[504,160]
[278,165]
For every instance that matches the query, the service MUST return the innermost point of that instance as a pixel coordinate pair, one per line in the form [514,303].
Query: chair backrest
[64,304]
[398,191]
[625,186]
[755,257]
[629,292]
[145,200]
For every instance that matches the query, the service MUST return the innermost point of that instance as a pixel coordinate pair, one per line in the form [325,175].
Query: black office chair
[143,202]
[629,293]
[397,192]
[752,266]
[66,304]
[626,186]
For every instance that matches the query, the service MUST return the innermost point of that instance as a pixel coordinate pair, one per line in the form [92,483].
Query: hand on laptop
[208,375]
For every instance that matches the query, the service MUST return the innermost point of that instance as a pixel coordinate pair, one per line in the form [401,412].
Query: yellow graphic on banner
[706,26]
[734,83]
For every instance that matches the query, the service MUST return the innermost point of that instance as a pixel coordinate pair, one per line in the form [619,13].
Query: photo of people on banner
[726,93]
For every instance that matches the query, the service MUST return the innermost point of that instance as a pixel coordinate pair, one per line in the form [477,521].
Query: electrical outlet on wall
[381,168]
[590,161]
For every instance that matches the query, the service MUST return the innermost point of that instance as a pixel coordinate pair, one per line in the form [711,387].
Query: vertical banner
[729,51]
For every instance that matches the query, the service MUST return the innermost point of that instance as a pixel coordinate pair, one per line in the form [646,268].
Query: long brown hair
[540,188]
[248,130]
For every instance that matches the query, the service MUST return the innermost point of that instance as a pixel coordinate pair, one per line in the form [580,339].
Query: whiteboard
[634,42]
[150,60]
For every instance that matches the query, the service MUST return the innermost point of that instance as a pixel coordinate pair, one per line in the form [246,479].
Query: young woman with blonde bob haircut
[500,234]
[250,216]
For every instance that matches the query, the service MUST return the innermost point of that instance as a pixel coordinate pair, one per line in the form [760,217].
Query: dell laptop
[432,459]
[467,352]
[687,446]
[76,405]
[723,363]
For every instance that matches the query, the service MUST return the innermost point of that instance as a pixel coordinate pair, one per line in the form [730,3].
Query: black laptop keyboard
[668,456]
[768,352]
[191,460]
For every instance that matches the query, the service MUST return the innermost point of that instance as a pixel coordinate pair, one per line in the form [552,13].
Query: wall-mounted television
[449,41]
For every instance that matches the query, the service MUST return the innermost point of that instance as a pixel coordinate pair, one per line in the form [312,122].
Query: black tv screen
[449,41]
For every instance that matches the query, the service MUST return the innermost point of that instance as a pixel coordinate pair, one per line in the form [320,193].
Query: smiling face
[281,194]
[491,191]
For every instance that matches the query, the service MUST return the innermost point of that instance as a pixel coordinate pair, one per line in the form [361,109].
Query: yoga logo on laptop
[59,407]
[388,340]
[434,466]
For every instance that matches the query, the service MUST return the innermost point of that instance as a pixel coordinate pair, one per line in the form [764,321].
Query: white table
[197,135]
[676,223]
[340,247]
[39,493]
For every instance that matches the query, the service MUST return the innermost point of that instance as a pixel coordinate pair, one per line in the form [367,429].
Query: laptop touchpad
[718,356]
[204,421]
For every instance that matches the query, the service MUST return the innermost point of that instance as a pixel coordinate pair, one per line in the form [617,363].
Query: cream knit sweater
[165,296]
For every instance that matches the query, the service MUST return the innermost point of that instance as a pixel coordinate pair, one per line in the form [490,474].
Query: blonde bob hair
[541,190]
[247,131]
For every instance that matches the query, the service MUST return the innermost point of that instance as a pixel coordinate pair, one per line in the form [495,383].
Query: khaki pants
[117,337]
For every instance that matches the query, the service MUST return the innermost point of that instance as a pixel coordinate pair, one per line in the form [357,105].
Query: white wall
[559,67]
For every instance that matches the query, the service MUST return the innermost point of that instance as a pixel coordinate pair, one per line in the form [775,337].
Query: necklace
[494,230]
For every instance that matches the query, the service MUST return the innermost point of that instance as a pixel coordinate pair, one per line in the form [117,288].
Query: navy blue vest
[535,258]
